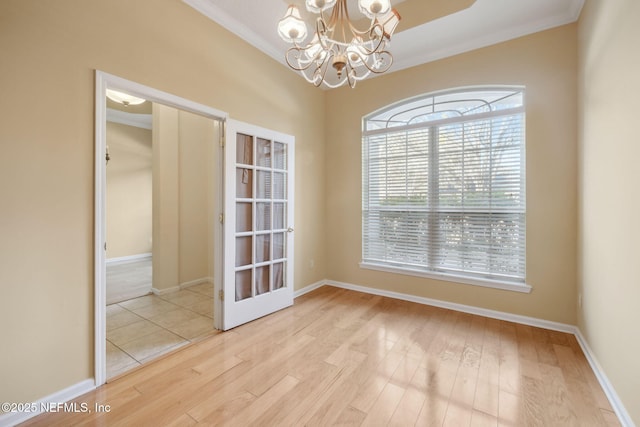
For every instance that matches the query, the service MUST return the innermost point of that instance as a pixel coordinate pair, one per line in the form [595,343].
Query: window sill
[495,284]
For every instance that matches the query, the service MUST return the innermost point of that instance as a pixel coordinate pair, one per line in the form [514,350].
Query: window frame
[428,269]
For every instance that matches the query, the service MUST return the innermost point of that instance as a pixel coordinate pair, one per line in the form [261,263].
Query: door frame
[104,81]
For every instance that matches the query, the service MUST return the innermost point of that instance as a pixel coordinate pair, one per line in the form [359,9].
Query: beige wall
[197,139]
[609,149]
[49,53]
[166,198]
[183,206]
[546,64]
[128,191]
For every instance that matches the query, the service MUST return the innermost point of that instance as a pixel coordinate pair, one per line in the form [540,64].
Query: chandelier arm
[321,30]
[387,64]
[297,53]
[321,70]
[380,42]
[364,50]
[351,71]
[317,65]
[372,68]
[363,66]
[380,47]
[359,32]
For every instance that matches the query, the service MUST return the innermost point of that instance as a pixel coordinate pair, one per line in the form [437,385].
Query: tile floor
[129,279]
[144,328]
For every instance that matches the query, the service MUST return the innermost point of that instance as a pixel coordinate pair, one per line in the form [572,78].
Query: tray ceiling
[430,30]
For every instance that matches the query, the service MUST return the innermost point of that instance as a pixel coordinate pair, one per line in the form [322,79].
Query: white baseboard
[199,281]
[129,258]
[309,288]
[500,315]
[609,391]
[181,286]
[39,407]
[160,292]
[612,396]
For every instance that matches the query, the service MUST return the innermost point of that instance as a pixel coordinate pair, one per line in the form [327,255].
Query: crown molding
[219,16]
[468,39]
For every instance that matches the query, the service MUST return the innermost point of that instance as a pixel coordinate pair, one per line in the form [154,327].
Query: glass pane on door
[263,188]
[278,275]
[243,284]
[262,280]
[244,178]
[279,240]
[264,152]
[263,248]
[279,155]
[279,216]
[244,216]
[261,216]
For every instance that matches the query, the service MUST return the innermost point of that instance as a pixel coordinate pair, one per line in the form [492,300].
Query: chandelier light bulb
[373,8]
[356,51]
[318,6]
[291,27]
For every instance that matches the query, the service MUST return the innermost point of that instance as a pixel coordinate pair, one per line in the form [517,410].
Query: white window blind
[444,185]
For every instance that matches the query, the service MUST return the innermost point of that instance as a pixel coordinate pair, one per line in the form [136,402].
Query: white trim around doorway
[106,81]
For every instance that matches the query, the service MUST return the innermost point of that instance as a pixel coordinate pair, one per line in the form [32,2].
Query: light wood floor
[340,357]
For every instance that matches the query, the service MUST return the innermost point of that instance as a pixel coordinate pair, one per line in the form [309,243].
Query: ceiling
[429,30]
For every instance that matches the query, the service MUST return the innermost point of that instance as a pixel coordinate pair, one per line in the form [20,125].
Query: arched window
[444,187]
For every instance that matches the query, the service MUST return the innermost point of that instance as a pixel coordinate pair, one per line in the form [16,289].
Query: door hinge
[223,133]
[221,294]
[221,218]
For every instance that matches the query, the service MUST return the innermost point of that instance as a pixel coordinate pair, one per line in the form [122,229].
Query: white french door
[258,223]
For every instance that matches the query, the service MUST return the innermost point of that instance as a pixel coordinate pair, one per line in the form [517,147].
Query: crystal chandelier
[336,42]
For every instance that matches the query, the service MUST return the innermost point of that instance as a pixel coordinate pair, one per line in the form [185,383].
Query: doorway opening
[159,172]
[160,175]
